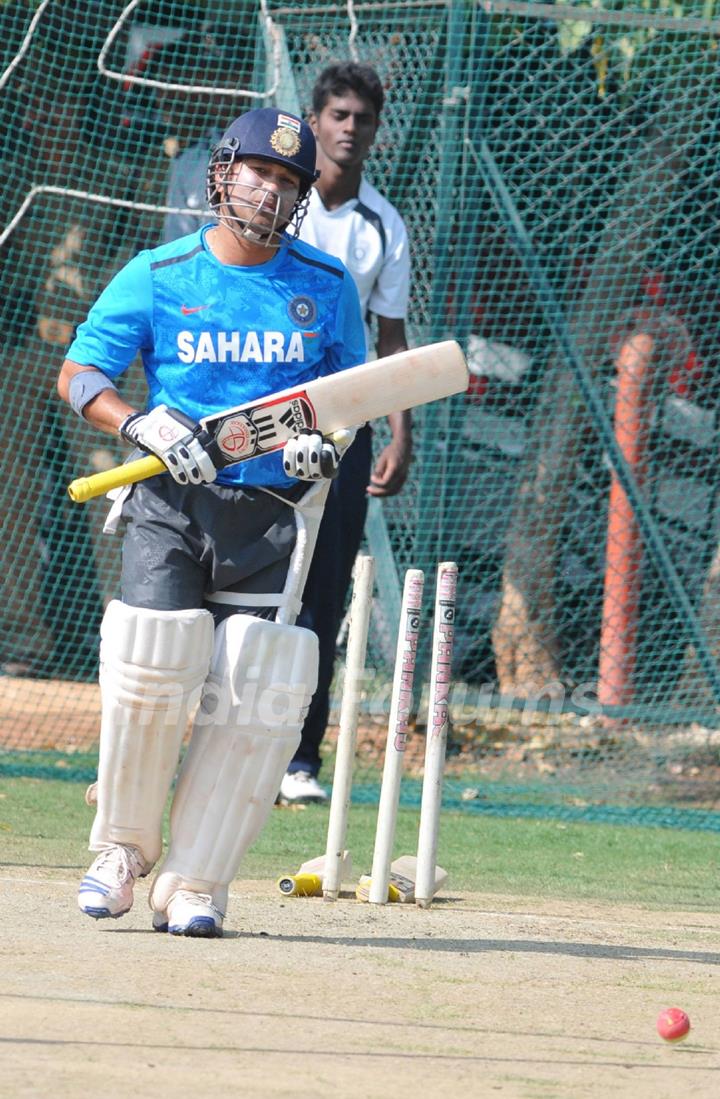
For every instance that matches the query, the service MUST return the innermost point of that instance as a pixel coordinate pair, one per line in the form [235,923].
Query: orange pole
[623,555]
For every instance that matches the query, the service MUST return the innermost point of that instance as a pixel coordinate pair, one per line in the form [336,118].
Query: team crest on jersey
[285,141]
[302,310]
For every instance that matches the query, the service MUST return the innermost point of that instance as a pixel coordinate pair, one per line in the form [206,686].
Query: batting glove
[311,456]
[179,442]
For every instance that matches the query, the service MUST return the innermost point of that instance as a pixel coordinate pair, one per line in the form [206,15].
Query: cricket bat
[352,397]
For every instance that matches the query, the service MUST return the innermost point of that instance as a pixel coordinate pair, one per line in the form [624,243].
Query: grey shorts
[182,542]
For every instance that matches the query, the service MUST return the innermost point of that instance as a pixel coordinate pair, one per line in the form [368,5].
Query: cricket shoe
[106,891]
[192,914]
[301,788]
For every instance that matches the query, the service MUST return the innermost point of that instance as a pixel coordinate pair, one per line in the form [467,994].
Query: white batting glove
[311,456]
[176,440]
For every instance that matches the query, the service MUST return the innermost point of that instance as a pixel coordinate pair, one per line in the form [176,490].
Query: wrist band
[85,386]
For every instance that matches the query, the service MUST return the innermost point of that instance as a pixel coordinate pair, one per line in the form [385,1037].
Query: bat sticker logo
[237,437]
[265,428]
[299,414]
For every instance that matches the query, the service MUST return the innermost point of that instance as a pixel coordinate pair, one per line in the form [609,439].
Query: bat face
[260,429]
[327,404]
[338,401]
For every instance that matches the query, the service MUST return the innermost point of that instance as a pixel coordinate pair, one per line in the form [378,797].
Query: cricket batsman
[214,559]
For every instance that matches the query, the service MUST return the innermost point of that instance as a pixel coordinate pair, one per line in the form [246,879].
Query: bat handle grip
[86,488]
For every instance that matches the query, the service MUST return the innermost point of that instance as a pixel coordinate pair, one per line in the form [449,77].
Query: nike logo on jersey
[186,310]
[239,347]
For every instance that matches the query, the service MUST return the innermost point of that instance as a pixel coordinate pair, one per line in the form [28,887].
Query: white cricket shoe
[301,788]
[106,891]
[192,914]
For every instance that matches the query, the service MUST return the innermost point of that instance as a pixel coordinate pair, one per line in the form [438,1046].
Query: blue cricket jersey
[213,336]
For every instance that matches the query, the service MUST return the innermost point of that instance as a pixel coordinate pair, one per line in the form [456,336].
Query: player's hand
[176,440]
[391,469]
[311,456]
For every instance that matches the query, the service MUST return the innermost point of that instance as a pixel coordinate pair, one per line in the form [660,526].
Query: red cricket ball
[673,1024]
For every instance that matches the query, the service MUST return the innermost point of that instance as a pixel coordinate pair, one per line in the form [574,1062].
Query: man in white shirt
[351,220]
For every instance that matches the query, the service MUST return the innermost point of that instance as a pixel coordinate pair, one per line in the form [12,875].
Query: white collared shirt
[369,236]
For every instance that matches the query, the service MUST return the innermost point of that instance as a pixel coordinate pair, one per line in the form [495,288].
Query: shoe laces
[122,861]
[198,900]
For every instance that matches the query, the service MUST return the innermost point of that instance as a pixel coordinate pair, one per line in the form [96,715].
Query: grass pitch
[46,823]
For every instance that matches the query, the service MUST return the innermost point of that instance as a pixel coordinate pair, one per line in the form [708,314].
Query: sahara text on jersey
[238,347]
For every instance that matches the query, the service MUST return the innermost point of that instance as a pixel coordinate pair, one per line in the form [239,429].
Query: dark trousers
[339,539]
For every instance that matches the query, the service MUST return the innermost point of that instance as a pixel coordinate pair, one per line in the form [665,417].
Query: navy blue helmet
[273,135]
[269,134]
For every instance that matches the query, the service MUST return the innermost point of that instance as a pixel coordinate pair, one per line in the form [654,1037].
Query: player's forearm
[391,339]
[106,411]
[401,428]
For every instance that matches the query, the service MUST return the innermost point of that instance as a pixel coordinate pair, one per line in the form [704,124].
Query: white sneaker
[192,914]
[107,888]
[301,788]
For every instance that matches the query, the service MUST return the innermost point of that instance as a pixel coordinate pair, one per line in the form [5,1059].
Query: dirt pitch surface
[480,996]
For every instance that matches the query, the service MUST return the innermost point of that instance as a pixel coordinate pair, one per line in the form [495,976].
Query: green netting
[557,170]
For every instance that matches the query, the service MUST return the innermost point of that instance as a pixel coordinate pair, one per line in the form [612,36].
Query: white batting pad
[152,665]
[261,683]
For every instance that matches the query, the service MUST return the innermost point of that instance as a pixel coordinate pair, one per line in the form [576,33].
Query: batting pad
[261,682]
[152,665]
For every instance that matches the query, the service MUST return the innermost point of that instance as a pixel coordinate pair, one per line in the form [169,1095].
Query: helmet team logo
[302,310]
[273,135]
[285,141]
[261,430]
[289,122]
